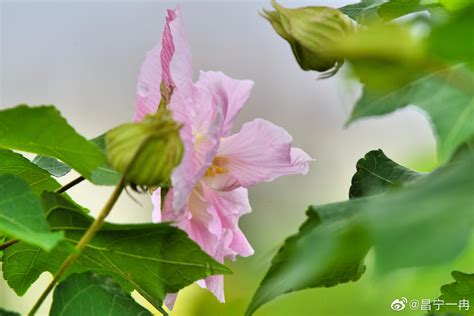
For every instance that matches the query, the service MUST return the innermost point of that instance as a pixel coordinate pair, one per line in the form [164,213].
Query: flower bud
[146,152]
[311,32]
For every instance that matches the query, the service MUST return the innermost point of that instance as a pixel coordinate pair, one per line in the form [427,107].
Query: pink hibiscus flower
[209,187]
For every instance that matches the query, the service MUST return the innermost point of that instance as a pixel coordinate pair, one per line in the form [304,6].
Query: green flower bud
[146,152]
[311,32]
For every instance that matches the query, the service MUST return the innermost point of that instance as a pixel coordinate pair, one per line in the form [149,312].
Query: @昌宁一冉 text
[426,304]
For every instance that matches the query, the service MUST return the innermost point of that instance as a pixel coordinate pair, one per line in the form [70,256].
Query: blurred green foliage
[412,220]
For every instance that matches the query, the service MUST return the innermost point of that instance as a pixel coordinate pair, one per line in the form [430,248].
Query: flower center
[216,167]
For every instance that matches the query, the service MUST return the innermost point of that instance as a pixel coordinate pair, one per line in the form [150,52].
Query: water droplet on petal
[142,89]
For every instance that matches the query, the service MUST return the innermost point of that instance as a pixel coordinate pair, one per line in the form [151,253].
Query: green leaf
[454,40]
[376,174]
[463,151]
[371,11]
[53,166]
[44,131]
[362,11]
[22,215]
[331,245]
[423,222]
[427,221]
[38,179]
[455,4]
[154,259]
[396,8]
[4,312]
[91,294]
[451,110]
[328,250]
[104,175]
[459,292]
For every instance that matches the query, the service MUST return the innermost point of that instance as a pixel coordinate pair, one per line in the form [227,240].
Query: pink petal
[236,91]
[183,177]
[156,201]
[148,93]
[168,50]
[211,220]
[199,220]
[170,299]
[181,68]
[168,62]
[260,152]
[201,134]
[208,120]
[215,284]
[230,206]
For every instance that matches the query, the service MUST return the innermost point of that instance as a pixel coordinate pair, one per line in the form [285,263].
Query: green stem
[86,238]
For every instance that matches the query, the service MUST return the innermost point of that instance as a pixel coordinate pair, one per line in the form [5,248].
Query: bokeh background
[84,57]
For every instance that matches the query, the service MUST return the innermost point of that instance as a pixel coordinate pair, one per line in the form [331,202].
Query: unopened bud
[311,32]
[145,152]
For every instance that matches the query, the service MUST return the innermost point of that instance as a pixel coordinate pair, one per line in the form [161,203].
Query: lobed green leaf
[459,292]
[22,216]
[44,131]
[376,173]
[154,259]
[38,179]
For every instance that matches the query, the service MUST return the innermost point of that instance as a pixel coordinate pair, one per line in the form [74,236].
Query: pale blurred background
[84,57]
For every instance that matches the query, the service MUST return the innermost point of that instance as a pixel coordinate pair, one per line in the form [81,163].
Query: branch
[69,185]
[8,244]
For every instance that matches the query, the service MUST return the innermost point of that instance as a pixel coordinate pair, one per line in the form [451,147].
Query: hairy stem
[69,185]
[86,238]
[8,244]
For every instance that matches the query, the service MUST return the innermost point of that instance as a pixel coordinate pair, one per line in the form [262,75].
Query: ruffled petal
[236,94]
[199,219]
[168,62]
[215,283]
[260,152]
[211,220]
[168,50]
[230,206]
[176,60]
[201,134]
